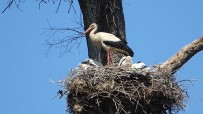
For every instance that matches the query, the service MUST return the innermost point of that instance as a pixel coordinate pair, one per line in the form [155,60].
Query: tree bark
[108,14]
[174,63]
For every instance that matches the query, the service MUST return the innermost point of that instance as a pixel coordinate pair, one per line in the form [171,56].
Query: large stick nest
[110,90]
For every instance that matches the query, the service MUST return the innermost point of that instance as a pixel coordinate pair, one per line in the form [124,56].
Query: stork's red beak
[89,29]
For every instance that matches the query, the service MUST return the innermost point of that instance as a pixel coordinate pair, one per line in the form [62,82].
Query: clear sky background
[155,31]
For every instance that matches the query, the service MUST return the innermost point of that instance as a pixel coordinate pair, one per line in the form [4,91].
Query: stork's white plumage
[89,63]
[125,62]
[108,41]
[94,63]
[138,65]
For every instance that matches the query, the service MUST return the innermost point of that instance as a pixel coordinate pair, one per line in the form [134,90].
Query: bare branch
[174,63]
[71,6]
[11,2]
[42,1]
[8,6]
[59,4]
[17,4]
[64,42]
[79,21]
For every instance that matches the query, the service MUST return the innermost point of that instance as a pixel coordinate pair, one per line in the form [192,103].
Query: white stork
[108,41]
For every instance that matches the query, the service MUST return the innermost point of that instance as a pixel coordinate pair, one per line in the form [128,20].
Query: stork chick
[125,62]
[89,63]
[139,65]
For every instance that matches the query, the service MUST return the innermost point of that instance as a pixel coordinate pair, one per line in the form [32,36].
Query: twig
[42,1]
[8,6]
[11,2]
[67,42]
[61,93]
[58,6]
[71,6]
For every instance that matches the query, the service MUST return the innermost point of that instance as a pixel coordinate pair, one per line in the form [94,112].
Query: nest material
[117,91]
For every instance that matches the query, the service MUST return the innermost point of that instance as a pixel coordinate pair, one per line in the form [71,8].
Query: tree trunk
[108,14]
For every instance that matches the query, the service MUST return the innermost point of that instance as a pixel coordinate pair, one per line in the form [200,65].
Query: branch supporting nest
[109,90]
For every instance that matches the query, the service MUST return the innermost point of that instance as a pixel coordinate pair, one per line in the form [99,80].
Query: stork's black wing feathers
[120,45]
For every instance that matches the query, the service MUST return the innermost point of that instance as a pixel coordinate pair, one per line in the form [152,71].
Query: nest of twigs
[109,90]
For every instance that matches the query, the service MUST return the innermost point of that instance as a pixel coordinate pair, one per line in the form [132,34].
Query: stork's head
[91,27]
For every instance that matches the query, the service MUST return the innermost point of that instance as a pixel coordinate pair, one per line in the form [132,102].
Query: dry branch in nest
[113,90]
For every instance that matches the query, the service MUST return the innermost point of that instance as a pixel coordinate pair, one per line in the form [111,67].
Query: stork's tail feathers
[130,51]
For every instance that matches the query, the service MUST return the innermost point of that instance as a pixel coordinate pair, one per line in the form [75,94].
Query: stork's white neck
[92,33]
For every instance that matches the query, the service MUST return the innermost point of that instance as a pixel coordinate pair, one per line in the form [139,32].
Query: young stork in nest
[108,41]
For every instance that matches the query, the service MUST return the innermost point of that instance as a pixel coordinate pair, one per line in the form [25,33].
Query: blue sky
[155,31]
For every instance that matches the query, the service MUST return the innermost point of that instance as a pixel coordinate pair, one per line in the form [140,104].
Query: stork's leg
[108,57]
[100,56]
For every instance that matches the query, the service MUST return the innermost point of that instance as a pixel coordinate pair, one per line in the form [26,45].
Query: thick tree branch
[174,63]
